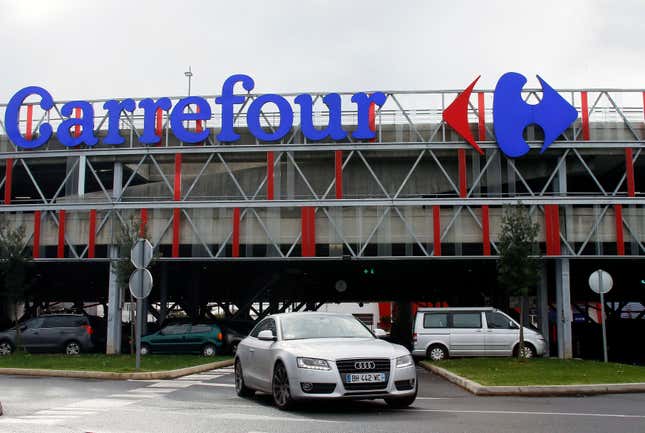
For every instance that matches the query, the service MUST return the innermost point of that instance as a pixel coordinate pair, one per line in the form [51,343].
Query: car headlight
[404,361]
[313,364]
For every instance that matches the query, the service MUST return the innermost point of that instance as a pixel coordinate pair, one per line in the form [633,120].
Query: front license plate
[365,378]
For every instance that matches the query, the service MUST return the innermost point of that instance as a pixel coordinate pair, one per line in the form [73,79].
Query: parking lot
[207,402]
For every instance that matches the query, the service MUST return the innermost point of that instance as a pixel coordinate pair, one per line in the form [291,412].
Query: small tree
[13,270]
[517,269]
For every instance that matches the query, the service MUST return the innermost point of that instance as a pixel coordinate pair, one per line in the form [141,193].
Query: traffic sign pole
[139,325]
[140,286]
[602,320]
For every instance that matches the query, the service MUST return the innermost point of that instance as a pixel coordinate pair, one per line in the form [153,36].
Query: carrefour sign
[511,115]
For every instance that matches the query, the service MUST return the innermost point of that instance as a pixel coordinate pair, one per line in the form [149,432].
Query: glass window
[467,320]
[435,320]
[322,326]
[63,322]
[201,329]
[259,327]
[174,329]
[34,323]
[498,321]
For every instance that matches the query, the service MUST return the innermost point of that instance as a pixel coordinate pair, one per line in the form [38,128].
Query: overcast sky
[94,49]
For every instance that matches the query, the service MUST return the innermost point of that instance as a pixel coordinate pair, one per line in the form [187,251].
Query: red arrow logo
[456,116]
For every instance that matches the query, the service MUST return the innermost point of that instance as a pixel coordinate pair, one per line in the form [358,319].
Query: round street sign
[600,280]
[141,253]
[140,283]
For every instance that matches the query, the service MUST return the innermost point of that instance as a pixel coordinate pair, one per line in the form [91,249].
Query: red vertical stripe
[304,241]
[485,230]
[620,238]
[36,252]
[8,180]
[547,229]
[585,116]
[144,223]
[629,171]
[77,127]
[436,223]
[481,111]
[553,229]
[463,182]
[30,118]
[236,232]
[270,160]
[60,252]
[311,220]
[372,120]
[159,125]
[338,160]
[91,244]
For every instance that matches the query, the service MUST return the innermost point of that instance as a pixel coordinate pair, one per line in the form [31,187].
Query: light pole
[189,74]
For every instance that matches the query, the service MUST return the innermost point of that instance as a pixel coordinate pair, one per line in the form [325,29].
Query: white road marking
[511,412]
[252,417]
[66,412]
[149,390]
[100,403]
[173,384]
[134,397]
[223,385]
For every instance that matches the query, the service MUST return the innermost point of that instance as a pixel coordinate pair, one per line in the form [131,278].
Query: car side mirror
[266,335]
[380,333]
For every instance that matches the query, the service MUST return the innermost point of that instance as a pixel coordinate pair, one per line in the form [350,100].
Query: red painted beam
[486,230]
[556,230]
[304,229]
[270,189]
[77,127]
[620,238]
[60,251]
[199,126]
[36,249]
[176,214]
[177,178]
[30,119]
[436,224]
[91,244]
[481,111]
[548,230]
[552,229]
[463,181]
[8,180]
[144,223]
[159,125]
[236,232]
[372,120]
[629,172]
[338,162]
[312,231]
[585,116]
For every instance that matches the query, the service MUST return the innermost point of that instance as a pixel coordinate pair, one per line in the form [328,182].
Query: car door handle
[490,330]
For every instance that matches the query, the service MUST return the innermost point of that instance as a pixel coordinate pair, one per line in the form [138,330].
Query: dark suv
[69,333]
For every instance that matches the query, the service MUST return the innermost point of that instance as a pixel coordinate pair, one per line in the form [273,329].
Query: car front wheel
[280,386]
[209,350]
[72,348]
[5,348]
[145,349]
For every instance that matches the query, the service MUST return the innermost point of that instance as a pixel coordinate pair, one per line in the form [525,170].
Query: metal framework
[443,194]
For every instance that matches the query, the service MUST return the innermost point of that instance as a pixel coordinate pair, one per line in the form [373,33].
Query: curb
[153,375]
[533,390]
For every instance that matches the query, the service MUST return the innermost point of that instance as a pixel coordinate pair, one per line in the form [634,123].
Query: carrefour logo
[511,115]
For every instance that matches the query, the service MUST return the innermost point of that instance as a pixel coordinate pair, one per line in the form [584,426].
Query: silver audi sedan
[299,356]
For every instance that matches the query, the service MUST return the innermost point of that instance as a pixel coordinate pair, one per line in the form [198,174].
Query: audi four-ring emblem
[364,365]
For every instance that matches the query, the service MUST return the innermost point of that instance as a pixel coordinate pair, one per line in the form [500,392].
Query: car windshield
[322,326]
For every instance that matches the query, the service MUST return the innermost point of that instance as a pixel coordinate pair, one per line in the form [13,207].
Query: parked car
[68,333]
[203,338]
[443,332]
[298,356]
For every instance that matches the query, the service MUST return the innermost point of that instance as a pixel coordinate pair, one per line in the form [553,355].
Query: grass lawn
[100,362]
[510,371]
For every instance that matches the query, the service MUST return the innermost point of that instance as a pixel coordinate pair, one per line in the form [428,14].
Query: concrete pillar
[563,306]
[115,293]
[543,307]
[115,302]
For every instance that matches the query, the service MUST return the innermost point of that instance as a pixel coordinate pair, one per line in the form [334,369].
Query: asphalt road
[207,403]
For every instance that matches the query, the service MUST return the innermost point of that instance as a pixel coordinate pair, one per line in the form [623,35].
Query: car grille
[346,366]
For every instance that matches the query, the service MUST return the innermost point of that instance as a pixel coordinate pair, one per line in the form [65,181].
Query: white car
[298,356]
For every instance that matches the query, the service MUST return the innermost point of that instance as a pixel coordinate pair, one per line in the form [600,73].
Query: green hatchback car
[206,339]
